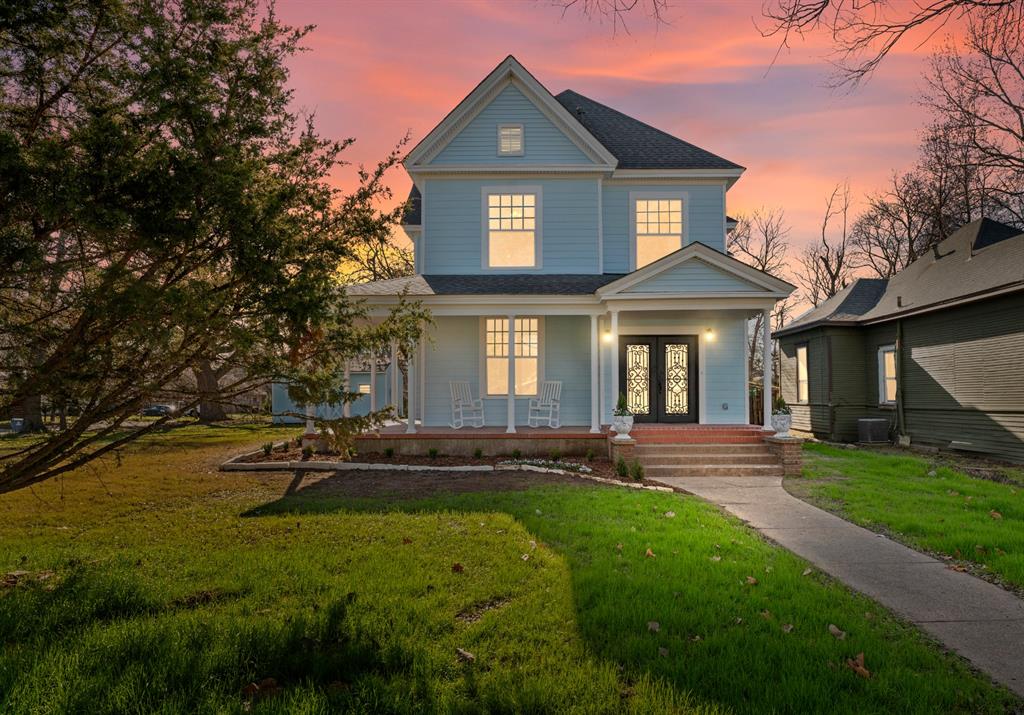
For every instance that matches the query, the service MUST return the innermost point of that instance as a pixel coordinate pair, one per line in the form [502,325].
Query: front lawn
[165,585]
[926,502]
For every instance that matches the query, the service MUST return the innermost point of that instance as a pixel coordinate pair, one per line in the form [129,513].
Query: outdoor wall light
[607,337]
[709,335]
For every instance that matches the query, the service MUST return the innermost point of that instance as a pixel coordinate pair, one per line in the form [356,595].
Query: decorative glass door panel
[657,374]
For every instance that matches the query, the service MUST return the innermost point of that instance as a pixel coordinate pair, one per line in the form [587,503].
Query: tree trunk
[32,413]
[208,382]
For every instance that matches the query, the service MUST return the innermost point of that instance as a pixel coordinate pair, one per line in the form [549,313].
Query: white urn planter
[781,424]
[622,424]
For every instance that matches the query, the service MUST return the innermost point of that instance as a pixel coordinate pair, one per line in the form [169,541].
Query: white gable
[693,276]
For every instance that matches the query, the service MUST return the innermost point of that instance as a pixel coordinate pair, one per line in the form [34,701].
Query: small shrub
[307,452]
[591,455]
[432,453]
[389,452]
[268,447]
[478,453]
[621,468]
[517,454]
[555,455]
[636,470]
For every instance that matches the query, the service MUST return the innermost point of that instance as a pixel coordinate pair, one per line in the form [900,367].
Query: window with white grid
[511,230]
[659,229]
[527,355]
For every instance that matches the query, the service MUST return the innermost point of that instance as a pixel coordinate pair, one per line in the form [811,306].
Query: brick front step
[701,448]
[717,470]
[696,458]
[677,438]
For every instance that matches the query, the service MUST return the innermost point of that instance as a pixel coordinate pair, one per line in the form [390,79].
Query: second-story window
[659,228]
[511,239]
[510,140]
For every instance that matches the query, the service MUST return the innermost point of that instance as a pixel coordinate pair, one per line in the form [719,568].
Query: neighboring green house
[937,350]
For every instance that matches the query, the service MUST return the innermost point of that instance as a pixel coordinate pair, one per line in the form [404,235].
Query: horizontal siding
[281,403]
[456,352]
[543,142]
[705,212]
[693,276]
[454,229]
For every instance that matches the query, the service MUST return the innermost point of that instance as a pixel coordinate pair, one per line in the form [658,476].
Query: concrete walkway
[978,620]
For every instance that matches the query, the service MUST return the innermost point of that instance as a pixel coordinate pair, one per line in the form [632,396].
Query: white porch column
[396,399]
[511,428]
[346,409]
[615,357]
[310,416]
[373,382]
[421,349]
[595,373]
[410,421]
[766,320]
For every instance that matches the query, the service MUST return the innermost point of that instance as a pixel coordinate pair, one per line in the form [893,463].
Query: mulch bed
[411,485]
[600,467]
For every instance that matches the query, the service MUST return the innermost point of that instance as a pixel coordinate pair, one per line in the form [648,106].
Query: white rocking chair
[544,408]
[465,410]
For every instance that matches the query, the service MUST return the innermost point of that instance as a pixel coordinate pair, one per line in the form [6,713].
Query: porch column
[421,349]
[373,382]
[595,373]
[412,364]
[395,397]
[511,428]
[615,357]
[310,416]
[346,409]
[766,320]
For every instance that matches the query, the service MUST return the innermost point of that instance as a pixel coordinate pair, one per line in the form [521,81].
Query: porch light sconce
[709,335]
[607,337]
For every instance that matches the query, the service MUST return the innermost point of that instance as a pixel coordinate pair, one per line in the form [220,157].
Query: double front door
[658,376]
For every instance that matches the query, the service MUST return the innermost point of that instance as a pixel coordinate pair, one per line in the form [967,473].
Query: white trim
[541,305]
[725,227]
[634,196]
[702,408]
[420,257]
[522,139]
[767,367]
[410,421]
[373,382]
[882,350]
[510,396]
[805,346]
[729,175]
[538,227]
[615,359]
[746,375]
[423,380]
[393,378]
[482,353]
[600,224]
[595,373]
[346,409]
[456,171]
[707,254]
[509,71]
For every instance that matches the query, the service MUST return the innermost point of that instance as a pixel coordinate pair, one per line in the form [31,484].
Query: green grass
[925,502]
[174,586]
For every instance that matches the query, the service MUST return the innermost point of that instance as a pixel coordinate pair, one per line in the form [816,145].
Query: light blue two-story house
[588,245]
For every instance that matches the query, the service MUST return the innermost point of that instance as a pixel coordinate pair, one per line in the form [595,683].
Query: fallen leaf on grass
[957,567]
[618,547]
[663,652]
[837,631]
[995,514]
[738,621]
[766,614]
[406,540]
[808,571]
[694,638]
[856,664]
[716,557]
[751,581]
[653,626]
[649,554]
[787,627]
[533,545]
[457,568]
[670,514]
[464,655]
[525,557]
[980,549]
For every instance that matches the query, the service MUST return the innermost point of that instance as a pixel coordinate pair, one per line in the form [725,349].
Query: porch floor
[397,431]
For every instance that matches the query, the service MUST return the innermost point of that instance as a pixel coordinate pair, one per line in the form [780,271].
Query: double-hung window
[527,356]
[511,232]
[801,374]
[887,375]
[657,227]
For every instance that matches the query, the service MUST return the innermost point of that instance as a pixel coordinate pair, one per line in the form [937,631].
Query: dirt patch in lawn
[410,485]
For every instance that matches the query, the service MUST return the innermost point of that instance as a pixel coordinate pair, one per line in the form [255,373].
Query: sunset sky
[376,70]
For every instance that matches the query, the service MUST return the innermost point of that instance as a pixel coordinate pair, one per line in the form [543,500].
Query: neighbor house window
[511,240]
[510,140]
[887,375]
[801,374]
[527,355]
[659,228]
[364,389]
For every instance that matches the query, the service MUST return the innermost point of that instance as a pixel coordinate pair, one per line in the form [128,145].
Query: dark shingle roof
[979,258]
[493,284]
[413,215]
[637,145]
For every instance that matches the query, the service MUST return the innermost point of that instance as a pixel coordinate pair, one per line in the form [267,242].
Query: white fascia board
[508,71]
[435,171]
[755,302]
[632,174]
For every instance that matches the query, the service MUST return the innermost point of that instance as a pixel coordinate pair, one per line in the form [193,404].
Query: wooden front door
[658,376]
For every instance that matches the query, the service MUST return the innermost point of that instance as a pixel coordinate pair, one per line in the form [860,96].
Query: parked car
[158,410]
